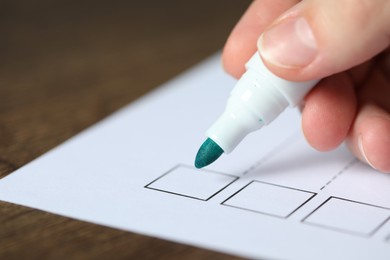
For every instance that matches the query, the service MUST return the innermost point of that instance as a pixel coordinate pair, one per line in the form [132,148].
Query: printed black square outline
[235,178]
[265,213]
[360,234]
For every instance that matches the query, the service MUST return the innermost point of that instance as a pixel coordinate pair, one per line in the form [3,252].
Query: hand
[345,42]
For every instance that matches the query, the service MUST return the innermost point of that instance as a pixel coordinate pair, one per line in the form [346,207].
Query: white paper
[273,197]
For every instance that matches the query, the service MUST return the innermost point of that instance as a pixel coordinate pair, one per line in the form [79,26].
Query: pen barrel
[256,100]
[292,91]
[233,125]
[254,93]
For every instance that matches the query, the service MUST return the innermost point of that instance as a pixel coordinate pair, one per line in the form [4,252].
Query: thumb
[317,38]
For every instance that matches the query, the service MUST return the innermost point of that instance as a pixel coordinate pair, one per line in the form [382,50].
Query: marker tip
[208,153]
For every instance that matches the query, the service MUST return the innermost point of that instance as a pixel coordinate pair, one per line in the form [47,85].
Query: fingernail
[362,152]
[289,44]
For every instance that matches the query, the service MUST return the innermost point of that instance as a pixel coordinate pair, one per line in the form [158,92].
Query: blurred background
[65,65]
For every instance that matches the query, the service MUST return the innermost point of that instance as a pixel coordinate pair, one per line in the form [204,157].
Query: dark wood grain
[64,65]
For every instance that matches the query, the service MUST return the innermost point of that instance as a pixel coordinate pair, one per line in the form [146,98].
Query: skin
[352,102]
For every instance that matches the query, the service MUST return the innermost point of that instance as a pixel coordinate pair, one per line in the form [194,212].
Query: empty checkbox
[192,183]
[349,216]
[269,199]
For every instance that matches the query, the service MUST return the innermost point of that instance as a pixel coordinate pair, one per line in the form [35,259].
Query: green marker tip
[208,153]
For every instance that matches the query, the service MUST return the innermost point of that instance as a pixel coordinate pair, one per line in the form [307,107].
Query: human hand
[345,42]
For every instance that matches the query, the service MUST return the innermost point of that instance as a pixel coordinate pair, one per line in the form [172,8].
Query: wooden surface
[64,65]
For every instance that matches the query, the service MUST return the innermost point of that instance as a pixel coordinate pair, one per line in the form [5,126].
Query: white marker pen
[257,99]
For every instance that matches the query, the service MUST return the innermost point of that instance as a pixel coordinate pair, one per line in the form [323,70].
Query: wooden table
[64,65]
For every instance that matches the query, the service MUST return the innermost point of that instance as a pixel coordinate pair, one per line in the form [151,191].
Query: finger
[317,38]
[241,44]
[329,112]
[369,138]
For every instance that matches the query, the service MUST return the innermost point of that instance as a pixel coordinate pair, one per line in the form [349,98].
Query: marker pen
[257,99]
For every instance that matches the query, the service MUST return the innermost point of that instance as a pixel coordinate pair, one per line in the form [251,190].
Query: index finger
[242,42]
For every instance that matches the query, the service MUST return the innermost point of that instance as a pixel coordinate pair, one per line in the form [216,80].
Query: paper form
[273,197]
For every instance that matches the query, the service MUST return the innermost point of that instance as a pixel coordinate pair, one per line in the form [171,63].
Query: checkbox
[269,199]
[349,216]
[192,183]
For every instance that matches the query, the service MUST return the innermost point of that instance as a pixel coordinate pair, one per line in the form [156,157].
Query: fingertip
[309,40]
[242,42]
[329,112]
[373,140]
[234,58]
